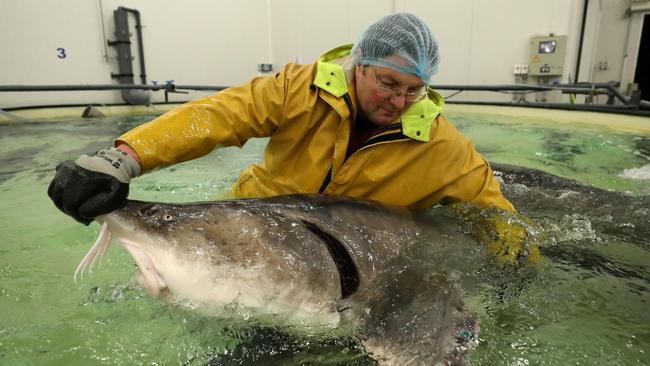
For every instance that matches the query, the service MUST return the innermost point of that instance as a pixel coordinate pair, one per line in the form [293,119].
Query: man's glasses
[410,96]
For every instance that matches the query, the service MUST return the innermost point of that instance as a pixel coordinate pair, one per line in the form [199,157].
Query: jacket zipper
[353,116]
[372,140]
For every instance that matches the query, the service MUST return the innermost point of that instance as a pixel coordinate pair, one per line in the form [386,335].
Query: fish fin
[410,317]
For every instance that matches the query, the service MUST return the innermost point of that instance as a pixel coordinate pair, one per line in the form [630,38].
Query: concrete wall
[219,42]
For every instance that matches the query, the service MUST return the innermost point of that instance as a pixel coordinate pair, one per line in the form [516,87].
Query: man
[360,122]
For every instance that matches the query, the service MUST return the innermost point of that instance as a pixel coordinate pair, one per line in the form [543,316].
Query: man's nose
[398,100]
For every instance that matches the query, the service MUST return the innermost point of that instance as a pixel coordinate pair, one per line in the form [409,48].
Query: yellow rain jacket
[308,111]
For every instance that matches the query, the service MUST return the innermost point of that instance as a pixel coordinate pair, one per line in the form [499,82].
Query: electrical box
[547,54]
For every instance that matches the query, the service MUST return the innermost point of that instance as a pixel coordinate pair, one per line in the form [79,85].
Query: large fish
[541,194]
[313,260]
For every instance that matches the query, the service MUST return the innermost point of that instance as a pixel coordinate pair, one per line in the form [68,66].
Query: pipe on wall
[582,37]
[122,44]
[138,29]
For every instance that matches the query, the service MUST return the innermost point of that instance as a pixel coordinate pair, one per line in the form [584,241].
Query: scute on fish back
[304,259]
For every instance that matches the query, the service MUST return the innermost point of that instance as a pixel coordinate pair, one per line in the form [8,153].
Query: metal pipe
[122,44]
[514,87]
[173,87]
[621,109]
[522,87]
[32,88]
[582,37]
[609,88]
[617,94]
[168,87]
[101,21]
[138,28]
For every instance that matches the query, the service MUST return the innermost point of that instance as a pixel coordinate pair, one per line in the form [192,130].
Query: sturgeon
[313,260]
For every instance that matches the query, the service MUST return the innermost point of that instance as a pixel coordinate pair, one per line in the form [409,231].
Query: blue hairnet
[400,34]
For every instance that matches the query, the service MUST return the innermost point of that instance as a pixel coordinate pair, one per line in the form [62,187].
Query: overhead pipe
[129,91]
[173,87]
[609,88]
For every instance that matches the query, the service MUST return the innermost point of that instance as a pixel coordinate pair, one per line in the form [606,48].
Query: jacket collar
[331,75]
[334,74]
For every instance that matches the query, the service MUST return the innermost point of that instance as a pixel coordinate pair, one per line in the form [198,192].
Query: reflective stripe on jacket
[308,110]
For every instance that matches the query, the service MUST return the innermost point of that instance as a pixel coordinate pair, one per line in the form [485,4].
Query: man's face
[384,94]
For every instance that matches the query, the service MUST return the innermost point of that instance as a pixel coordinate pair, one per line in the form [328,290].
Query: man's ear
[359,70]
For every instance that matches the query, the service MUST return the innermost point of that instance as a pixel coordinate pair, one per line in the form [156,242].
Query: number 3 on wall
[61,53]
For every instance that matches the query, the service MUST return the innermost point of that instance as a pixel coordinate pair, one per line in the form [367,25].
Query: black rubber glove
[93,185]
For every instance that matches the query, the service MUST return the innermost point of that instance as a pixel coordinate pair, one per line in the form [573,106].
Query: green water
[587,305]
[592,155]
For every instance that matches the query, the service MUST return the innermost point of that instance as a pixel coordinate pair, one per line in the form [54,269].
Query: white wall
[481,40]
[204,42]
[304,29]
[220,42]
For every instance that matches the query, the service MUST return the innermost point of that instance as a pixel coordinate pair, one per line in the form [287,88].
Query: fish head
[148,232]
[218,253]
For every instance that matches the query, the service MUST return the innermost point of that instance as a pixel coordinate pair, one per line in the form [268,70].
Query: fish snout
[151,214]
[141,209]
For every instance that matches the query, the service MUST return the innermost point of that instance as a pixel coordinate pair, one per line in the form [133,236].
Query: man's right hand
[93,185]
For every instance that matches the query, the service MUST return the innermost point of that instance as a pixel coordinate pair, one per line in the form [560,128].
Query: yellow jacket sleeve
[460,173]
[227,118]
[489,189]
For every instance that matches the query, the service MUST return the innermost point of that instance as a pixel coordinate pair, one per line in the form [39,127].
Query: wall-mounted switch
[524,69]
[264,67]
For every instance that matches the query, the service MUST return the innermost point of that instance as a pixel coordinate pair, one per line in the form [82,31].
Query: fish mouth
[148,276]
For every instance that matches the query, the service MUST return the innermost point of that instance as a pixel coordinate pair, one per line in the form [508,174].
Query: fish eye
[167,217]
